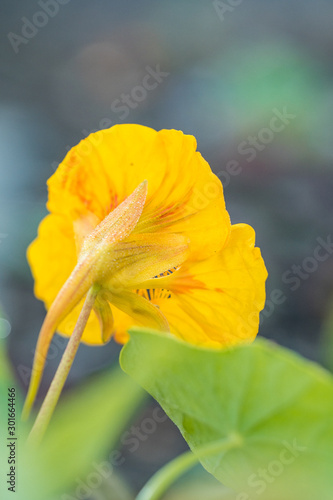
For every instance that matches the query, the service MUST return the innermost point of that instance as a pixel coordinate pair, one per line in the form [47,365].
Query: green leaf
[197,484]
[199,489]
[280,405]
[86,428]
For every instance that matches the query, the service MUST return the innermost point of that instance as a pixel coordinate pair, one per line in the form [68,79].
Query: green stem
[166,476]
[58,382]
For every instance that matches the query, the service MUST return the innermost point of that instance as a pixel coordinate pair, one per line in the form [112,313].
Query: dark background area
[226,74]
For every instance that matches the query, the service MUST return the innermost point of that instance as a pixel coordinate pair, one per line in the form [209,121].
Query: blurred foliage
[198,485]
[327,340]
[225,78]
[87,425]
[280,406]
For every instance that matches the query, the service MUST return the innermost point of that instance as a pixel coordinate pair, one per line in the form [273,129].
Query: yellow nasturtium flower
[140,214]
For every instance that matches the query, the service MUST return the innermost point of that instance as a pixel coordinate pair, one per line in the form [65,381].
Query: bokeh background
[224,70]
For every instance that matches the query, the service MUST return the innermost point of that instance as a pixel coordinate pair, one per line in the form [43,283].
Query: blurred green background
[71,67]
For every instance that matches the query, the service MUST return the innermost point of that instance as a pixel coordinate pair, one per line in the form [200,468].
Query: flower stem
[164,478]
[58,382]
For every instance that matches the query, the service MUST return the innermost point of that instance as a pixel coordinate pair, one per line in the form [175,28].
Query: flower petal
[217,302]
[92,331]
[105,317]
[142,256]
[139,309]
[183,194]
[118,224]
[52,258]
[70,294]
